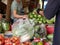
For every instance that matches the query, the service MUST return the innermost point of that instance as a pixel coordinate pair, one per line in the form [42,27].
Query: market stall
[36,30]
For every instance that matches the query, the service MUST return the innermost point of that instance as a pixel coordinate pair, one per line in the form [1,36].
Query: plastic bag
[23,28]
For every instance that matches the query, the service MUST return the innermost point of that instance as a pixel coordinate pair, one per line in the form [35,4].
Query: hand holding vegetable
[41,13]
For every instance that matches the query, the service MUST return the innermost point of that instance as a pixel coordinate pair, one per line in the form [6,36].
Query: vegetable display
[40,19]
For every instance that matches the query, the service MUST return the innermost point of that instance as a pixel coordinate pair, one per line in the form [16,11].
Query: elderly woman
[17,11]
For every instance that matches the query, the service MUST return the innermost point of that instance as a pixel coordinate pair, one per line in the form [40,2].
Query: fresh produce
[50,42]
[27,43]
[46,43]
[50,29]
[15,39]
[40,43]
[5,25]
[51,20]
[8,43]
[36,35]
[42,31]
[40,19]
[1,39]
[7,40]
[50,36]
[36,28]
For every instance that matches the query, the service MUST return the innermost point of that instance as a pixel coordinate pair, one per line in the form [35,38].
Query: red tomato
[9,43]
[1,39]
[17,42]
[14,39]
[14,43]
[0,42]
[27,43]
[7,40]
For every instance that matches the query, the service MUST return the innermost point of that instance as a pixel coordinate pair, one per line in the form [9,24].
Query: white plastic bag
[23,28]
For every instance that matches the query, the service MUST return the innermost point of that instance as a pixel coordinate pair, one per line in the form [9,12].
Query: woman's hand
[41,13]
[25,16]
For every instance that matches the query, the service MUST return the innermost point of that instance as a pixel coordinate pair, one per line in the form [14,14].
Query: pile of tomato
[9,41]
[12,41]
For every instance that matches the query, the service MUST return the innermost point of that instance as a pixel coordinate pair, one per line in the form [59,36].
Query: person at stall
[17,11]
[53,9]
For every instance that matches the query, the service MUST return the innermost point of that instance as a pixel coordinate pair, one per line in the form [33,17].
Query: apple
[46,43]
[50,29]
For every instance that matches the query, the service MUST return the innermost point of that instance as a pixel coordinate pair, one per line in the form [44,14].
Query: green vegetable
[36,27]
[39,16]
[36,35]
[5,25]
[40,19]
[50,36]
[34,43]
